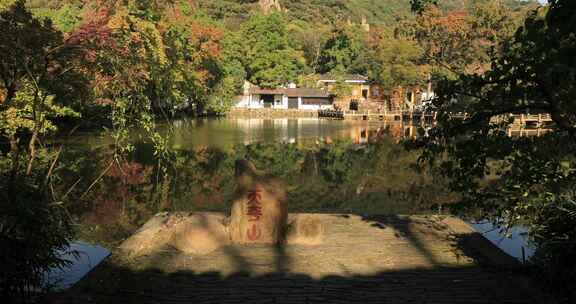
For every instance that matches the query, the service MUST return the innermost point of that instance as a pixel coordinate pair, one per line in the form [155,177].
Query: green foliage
[134,61]
[556,239]
[34,226]
[336,164]
[25,57]
[419,5]
[35,230]
[233,74]
[381,13]
[267,56]
[279,160]
[340,177]
[461,41]
[225,9]
[309,42]
[24,116]
[341,88]
[65,18]
[397,62]
[341,51]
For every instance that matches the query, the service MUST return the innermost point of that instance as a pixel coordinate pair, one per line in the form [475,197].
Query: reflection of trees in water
[303,131]
[376,178]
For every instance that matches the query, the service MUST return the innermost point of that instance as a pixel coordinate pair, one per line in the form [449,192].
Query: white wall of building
[280,102]
[249,102]
[243,102]
[255,102]
[302,106]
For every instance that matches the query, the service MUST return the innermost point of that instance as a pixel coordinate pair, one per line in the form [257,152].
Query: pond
[327,166]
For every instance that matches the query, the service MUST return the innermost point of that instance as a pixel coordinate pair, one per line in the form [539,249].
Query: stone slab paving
[381,259]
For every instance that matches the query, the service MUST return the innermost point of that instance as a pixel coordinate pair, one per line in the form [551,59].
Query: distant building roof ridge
[345,77]
[306,92]
[292,92]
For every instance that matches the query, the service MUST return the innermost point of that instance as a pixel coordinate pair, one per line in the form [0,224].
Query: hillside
[67,13]
[377,12]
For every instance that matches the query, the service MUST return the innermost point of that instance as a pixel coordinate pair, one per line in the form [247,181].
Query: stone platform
[380,259]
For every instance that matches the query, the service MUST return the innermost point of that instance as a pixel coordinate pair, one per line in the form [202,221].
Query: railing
[519,119]
[382,115]
[336,114]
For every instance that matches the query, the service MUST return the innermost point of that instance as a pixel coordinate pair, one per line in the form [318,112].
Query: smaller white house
[308,99]
[284,98]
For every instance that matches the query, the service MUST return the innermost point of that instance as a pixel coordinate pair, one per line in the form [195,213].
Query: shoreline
[271,113]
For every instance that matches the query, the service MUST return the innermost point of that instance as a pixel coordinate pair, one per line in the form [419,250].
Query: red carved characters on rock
[253,233]
[254,212]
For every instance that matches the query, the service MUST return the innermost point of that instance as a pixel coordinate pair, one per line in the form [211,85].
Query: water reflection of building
[279,130]
[322,131]
[311,130]
[359,134]
[374,133]
[225,133]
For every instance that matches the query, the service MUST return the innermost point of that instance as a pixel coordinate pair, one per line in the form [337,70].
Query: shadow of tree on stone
[403,227]
[116,284]
[121,281]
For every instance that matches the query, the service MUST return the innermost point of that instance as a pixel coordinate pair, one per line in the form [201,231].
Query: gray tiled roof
[292,92]
[257,90]
[345,77]
[306,92]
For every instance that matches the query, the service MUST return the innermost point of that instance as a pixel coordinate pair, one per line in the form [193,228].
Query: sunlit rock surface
[388,259]
[317,245]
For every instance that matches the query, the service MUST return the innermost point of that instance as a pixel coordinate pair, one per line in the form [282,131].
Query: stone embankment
[271,113]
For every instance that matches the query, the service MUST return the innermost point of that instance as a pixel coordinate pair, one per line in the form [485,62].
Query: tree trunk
[429,89]
[32,149]
[14,151]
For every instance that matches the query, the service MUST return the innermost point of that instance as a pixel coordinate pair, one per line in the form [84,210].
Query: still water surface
[327,166]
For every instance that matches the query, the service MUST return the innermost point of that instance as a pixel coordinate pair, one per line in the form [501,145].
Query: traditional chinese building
[255,97]
[353,90]
[400,98]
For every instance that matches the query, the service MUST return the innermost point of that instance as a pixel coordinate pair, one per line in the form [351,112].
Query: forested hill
[233,12]
[218,44]
[377,12]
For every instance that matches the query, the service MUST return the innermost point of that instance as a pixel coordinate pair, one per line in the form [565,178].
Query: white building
[284,98]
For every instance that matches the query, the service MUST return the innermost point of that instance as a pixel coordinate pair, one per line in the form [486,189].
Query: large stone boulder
[304,229]
[193,233]
[259,213]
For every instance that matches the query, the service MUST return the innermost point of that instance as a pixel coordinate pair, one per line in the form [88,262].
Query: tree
[396,61]
[36,69]
[493,22]
[535,73]
[460,41]
[341,51]
[234,74]
[310,41]
[448,40]
[267,56]
[531,180]
[419,5]
[36,65]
